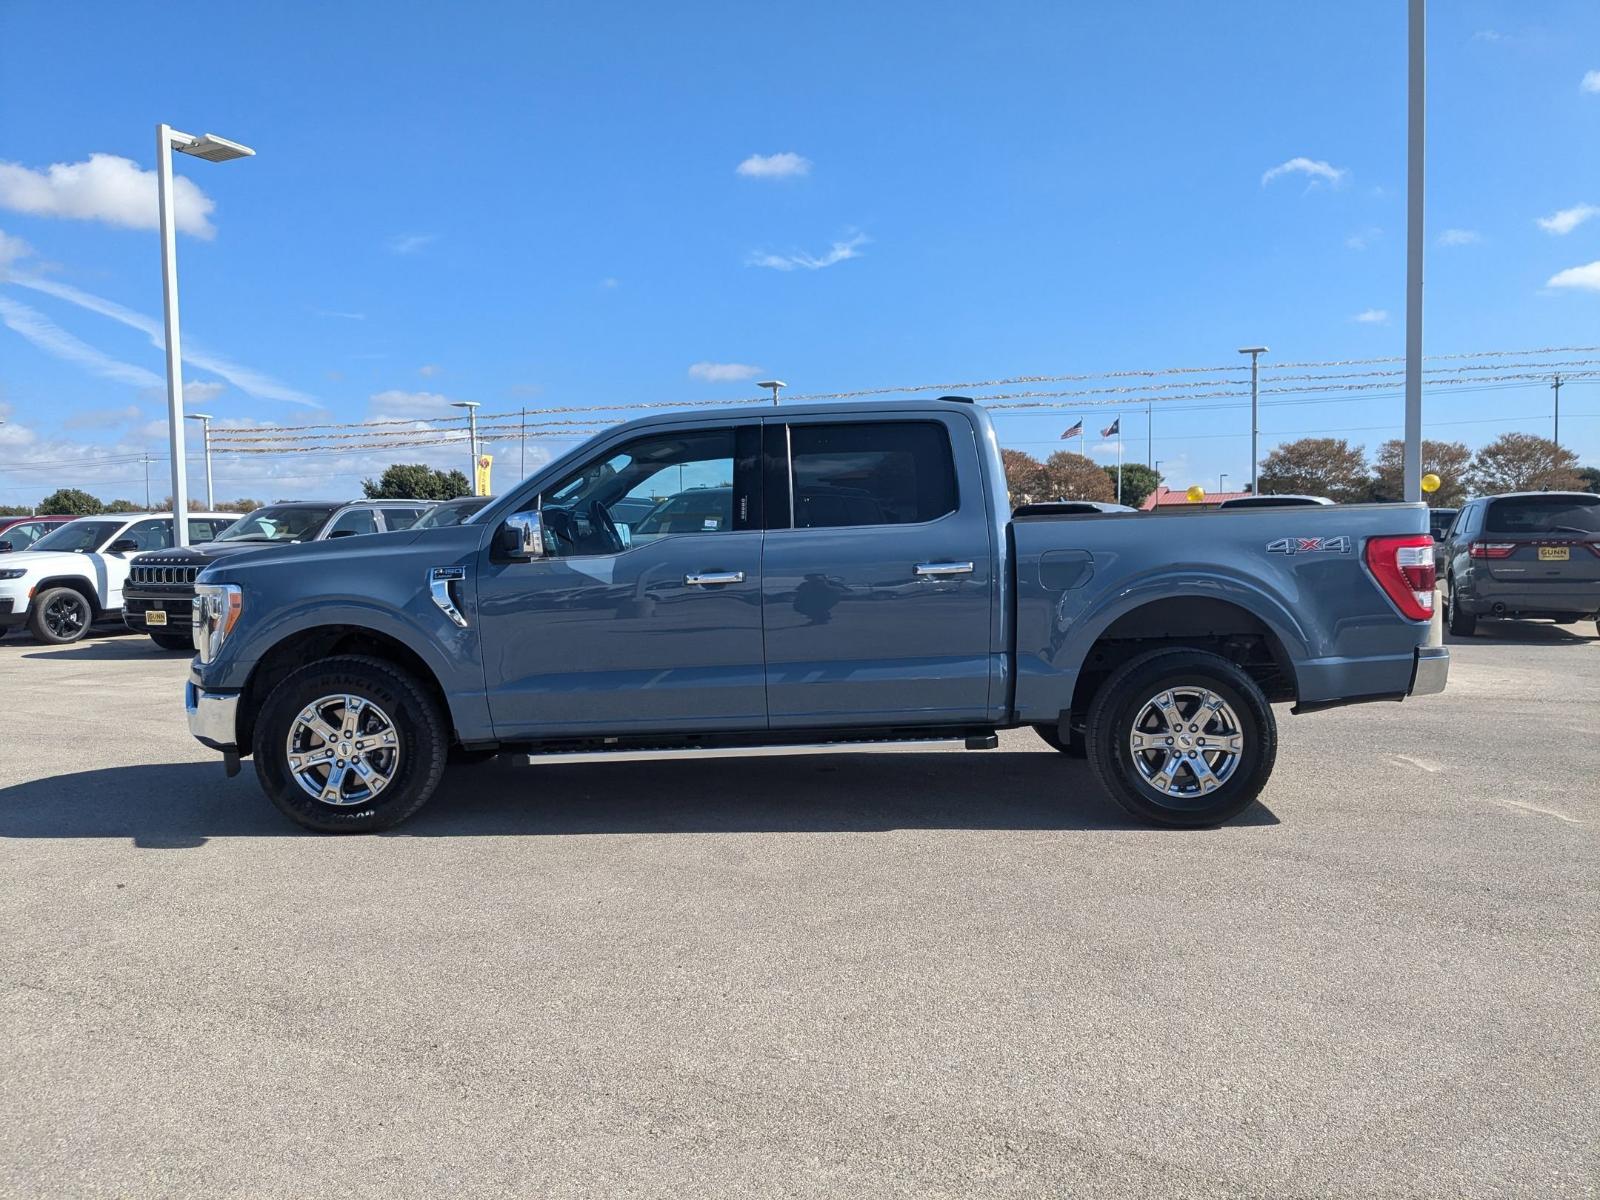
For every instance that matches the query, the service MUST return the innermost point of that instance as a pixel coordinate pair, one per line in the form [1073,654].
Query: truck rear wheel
[350,745]
[60,615]
[1182,737]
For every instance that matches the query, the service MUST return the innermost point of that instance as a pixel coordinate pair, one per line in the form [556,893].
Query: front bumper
[1428,677]
[11,614]
[213,716]
[178,607]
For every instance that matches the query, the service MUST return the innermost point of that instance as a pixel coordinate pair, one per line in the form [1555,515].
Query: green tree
[1138,481]
[1024,475]
[415,481]
[15,510]
[1069,476]
[122,506]
[1447,460]
[1590,477]
[1329,467]
[1523,462]
[71,501]
[242,505]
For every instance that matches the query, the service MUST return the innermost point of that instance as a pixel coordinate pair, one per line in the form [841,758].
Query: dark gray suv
[1527,554]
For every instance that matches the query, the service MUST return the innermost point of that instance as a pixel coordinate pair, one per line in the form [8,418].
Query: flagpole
[1119,462]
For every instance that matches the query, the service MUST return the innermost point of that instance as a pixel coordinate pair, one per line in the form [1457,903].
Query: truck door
[645,614]
[876,573]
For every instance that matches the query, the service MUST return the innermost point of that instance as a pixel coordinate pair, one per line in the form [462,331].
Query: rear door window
[401,518]
[354,521]
[1544,516]
[871,473]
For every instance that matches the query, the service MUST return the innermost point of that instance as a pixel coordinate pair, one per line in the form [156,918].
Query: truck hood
[51,562]
[203,554]
[374,550]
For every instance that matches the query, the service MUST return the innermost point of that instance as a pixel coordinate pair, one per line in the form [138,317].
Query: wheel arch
[316,642]
[77,583]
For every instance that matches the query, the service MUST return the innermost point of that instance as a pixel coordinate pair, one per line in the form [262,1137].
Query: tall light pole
[472,435]
[1416,113]
[213,149]
[1556,387]
[205,435]
[777,385]
[1255,352]
[1222,483]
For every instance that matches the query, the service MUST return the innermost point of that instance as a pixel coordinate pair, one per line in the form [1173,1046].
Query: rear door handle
[944,568]
[709,578]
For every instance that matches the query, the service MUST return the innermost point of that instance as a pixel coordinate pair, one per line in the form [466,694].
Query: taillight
[1492,549]
[1403,567]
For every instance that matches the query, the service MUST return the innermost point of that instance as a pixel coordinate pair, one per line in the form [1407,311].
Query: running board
[666,753]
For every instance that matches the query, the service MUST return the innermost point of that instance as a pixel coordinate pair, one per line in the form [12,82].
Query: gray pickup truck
[788,580]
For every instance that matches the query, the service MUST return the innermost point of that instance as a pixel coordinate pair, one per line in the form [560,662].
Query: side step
[664,753]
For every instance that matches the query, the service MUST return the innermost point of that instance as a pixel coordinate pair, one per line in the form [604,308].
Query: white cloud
[11,250]
[1590,82]
[610,281]
[102,418]
[1488,35]
[428,370]
[787,165]
[1585,278]
[410,243]
[1372,316]
[837,253]
[53,340]
[246,379]
[711,372]
[1313,169]
[201,391]
[346,316]
[1568,219]
[1362,239]
[1460,237]
[105,188]
[419,405]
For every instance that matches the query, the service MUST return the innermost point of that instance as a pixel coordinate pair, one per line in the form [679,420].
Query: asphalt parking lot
[917,974]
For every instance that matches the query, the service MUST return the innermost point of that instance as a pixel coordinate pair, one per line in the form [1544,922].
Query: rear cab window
[870,473]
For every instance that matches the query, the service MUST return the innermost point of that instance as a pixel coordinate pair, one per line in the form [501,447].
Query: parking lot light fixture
[205,436]
[211,148]
[777,385]
[472,434]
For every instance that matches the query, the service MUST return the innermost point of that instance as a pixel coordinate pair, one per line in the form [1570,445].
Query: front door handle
[944,568]
[708,578]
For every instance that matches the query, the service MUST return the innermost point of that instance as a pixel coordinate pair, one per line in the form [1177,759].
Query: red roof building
[1165,497]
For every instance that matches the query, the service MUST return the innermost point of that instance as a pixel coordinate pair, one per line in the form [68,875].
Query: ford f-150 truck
[822,578]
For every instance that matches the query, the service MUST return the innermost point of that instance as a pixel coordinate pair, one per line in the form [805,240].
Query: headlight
[216,608]
[13,574]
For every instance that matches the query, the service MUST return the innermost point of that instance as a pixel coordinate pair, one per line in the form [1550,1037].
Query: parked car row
[74,573]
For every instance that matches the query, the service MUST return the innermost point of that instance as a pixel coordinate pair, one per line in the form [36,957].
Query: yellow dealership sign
[481,475]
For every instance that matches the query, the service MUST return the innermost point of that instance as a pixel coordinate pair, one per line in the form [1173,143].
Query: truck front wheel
[350,745]
[1182,737]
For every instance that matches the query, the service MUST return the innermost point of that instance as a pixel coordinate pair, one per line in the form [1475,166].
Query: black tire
[1124,696]
[1458,620]
[173,641]
[60,615]
[1051,733]
[423,740]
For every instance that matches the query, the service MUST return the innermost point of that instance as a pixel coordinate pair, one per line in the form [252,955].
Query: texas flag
[1111,429]
[1073,432]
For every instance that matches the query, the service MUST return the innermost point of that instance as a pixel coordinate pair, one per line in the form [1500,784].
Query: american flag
[1111,429]
[1073,432]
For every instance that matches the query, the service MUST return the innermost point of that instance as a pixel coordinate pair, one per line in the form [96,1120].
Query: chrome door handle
[707,579]
[944,568]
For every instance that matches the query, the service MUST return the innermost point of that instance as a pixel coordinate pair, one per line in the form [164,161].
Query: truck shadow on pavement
[1525,633]
[184,805]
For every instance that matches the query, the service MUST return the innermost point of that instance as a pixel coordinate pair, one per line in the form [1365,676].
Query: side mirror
[522,536]
[6,547]
[341,533]
[123,546]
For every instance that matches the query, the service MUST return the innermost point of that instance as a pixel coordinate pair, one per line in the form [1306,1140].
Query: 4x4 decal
[1311,545]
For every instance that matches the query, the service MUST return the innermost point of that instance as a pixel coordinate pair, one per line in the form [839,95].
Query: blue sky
[543,204]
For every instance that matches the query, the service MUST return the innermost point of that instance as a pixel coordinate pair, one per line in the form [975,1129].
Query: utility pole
[205,435]
[1255,352]
[1416,115]
[1556,387]
[522,426]
[147,481]
[1150,433]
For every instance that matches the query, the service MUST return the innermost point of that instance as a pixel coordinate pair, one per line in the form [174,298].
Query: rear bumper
[1432,671]
[1488,597]
[213,716]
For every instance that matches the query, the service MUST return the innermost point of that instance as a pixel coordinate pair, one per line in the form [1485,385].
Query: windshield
[80,536]
[451,512]
[278,524]
[1536,515]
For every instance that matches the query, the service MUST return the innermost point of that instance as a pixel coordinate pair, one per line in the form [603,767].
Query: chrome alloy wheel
[1186,742]
[343,750]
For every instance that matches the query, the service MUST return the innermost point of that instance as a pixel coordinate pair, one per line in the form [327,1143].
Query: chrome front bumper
[213,716]
[1431,672]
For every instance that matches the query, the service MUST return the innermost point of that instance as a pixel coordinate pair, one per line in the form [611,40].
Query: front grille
[154,575]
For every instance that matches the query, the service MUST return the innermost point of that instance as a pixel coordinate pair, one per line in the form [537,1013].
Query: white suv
[73,576]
